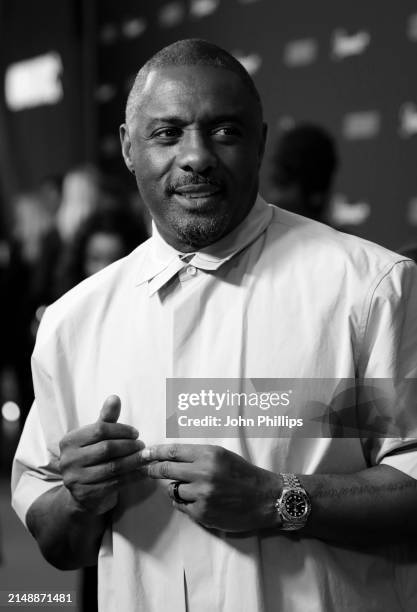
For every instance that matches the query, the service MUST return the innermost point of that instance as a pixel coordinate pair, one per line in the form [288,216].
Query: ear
[262,143]
[126,147]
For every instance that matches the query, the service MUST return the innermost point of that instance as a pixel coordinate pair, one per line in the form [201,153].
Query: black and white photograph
[208,306]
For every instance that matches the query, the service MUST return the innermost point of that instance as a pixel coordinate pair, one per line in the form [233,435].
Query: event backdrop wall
[41,65]
[349,67]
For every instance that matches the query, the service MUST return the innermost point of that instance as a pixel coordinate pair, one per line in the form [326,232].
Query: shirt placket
[195,546]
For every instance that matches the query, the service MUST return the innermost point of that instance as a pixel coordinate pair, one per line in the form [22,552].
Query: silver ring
[174,489]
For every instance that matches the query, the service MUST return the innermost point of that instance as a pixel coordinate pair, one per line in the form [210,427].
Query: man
[227,287]
[304,162]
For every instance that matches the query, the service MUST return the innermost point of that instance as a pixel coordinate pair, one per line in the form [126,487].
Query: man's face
[196,144]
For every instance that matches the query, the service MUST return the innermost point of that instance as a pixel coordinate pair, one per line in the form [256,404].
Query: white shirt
[280,297]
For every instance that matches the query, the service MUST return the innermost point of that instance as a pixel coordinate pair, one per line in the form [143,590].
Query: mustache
[193,179]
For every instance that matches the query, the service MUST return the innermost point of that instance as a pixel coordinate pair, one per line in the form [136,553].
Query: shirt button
[192,270]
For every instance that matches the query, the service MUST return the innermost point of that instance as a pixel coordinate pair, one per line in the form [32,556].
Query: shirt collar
[163,261]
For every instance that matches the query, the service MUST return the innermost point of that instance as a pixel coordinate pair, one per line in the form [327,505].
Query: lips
[198,191]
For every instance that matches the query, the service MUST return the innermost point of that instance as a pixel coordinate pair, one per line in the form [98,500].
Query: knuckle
[173,451]
[217,457]
[98,431]
[82,494]
[218,452]
[104,448]
[62,464]
[207,476]
[208,491]
[209,455]
[165,469]
[112,468]
[69,479]
[209,466]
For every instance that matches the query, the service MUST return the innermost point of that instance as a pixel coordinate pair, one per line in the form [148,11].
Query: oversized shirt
[279,297]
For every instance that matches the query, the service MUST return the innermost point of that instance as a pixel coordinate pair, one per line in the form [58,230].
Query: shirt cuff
[29,488]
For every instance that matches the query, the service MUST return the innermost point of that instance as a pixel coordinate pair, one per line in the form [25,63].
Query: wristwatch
[293,506]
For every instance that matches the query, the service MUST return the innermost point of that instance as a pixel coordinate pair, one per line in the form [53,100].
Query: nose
[195,154]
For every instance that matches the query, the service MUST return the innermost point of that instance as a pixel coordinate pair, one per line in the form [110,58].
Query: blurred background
[338,83]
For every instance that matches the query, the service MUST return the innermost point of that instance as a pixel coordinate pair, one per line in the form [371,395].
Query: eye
[168,133]
[227,133]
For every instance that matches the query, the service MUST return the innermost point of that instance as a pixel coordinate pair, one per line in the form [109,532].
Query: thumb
[111,409]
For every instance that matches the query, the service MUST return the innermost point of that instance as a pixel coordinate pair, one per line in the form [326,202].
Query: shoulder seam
[366,311]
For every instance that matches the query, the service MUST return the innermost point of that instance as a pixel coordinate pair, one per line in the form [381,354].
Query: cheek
[152,177]
[243,163]
[152,165]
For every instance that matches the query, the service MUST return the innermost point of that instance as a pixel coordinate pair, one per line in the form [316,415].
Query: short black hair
[305,155]
[189,52]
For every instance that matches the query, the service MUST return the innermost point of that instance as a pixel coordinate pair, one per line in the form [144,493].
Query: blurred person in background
[80,198]
[33,251]
[115,193]
[4,304]
[103,237]
[50,192]
[32,223]
[304,163]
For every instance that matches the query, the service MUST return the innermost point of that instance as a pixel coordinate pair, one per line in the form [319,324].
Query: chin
[199,233]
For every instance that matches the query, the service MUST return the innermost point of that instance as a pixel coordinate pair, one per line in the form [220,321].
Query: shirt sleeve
[36,463]
[35,468]
[388,360]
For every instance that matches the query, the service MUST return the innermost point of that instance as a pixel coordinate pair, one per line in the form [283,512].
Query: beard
[198,230]
[194,227]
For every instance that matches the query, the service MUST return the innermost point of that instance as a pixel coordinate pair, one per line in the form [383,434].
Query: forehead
[196,90]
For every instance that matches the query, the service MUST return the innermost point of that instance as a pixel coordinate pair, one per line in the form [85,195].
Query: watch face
[296,505]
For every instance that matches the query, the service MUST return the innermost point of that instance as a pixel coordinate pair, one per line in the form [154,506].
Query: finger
[173,452]
[95,432]
[109,470]
[91,495]
[171,470]
[184,491]
[110,411]
[101,452]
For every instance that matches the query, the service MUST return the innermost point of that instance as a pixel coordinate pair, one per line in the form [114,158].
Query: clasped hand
[97,460]
[220,489]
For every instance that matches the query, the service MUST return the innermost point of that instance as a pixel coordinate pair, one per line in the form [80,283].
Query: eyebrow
[175,120]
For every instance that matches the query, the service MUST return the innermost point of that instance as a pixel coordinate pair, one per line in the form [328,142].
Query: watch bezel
[288,522]
[286,514]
